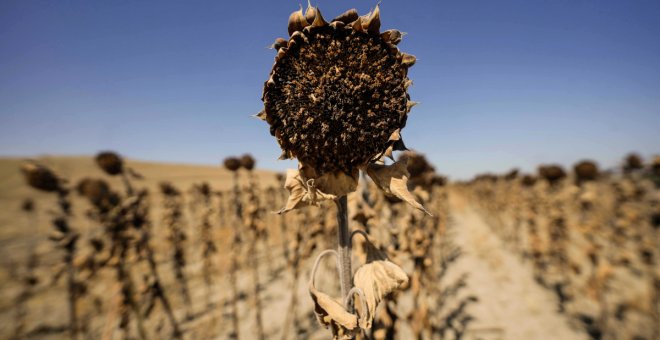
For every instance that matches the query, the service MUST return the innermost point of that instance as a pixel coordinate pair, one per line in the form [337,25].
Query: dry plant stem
[234,293]
[283,235]
[151,259]
[254,259]
[124,276]
[70,248]
[291,315]
[257,298]
[145,237]
[235,248]
[291,312]
[127,183]
[71,283]
[344,246]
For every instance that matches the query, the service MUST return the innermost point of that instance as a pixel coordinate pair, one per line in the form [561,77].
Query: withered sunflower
[41,177]
[336,100]
[110,162]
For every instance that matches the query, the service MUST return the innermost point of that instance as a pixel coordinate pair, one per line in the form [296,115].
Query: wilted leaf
[393,180]
[335,184]
[377,278]
[330,313]
[301,193]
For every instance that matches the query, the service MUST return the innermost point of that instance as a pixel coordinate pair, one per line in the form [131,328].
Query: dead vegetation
[592,241]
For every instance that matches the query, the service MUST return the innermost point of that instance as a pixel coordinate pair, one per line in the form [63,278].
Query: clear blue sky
[501,83]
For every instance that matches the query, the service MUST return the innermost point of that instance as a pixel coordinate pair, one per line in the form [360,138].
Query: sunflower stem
[344,247]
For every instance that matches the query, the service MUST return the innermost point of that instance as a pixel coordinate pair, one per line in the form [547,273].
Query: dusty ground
[511,304]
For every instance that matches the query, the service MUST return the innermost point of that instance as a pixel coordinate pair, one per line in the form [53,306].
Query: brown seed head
[337,94]
[247,162]
[110,162]
[40,177]
[167,189]
[422,173]
[585,171]
[633,162]
[95,190]
[552,173]
[528,180]
[232,163]
[418,165]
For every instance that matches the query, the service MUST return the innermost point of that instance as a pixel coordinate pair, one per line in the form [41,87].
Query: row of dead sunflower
[421,244]
[122,245]
[592,239]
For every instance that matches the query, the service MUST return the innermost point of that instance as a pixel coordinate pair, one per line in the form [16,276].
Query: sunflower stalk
[344,246]
[251,221]
[233,164]
[336,100]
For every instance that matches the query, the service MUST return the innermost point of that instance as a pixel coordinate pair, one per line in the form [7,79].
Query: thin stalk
[127,183]
[160,293]
[124,276]
[344,246]
[294,264]
[256,297]
[256,235]
[235,249]
[68,244]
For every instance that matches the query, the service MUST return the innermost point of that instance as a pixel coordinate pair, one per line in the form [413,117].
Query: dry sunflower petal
[393,180]
[297,21]
[347,17]
[392,36]
[372,24]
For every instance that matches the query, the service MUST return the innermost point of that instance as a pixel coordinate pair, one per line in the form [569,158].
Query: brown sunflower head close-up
[337,98]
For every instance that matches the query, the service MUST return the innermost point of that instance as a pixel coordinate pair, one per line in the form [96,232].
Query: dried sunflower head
[93,189]
[528,180]
[232,163]
[633,162]
[110,162]
[167,189]
[585,170]
[337,98]
[40,177]
[552,173]
[247,162]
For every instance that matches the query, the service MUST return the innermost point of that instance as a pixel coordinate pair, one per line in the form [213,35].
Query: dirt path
[511,304]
